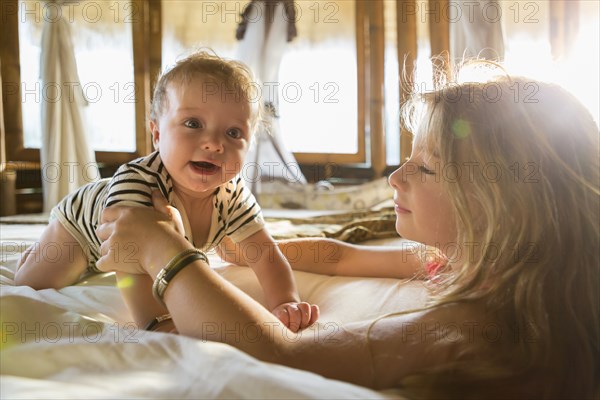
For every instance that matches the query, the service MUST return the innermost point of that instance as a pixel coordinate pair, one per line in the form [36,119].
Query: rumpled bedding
[78,342]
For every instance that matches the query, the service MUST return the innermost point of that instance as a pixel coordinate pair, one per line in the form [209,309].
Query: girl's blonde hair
[222,77]
[527,153]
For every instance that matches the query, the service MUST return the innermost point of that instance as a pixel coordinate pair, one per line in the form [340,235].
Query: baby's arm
[277,280]
[333,257]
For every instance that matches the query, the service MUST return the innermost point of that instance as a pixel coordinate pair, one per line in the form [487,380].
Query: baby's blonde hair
[230,76]
[530,198]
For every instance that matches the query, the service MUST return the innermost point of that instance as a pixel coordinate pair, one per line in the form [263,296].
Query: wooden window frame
[406,25]
[360,157]
[147,35]
[146,32]
[370,51]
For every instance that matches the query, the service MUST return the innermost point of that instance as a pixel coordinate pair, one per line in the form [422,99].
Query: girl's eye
[426,170]
[192,123]
[234,133]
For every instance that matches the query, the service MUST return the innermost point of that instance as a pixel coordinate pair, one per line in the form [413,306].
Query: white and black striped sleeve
[244,216]
[133,183]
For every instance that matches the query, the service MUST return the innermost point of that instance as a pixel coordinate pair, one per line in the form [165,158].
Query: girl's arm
[133,187]
[205,306]
[277,280]
[333,257]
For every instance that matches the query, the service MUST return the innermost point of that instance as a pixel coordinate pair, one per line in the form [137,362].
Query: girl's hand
[162,205]
[296,316]
[139,240]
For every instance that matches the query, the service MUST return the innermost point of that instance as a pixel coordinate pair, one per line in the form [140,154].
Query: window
[573,63]
[192,24]
[318,80]
[392,84]
[101,34]
[102,43]
[554,41]
[339,78]
[318,89]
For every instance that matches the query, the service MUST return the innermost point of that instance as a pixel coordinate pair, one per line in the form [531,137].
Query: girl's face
[202,135]
[423,210]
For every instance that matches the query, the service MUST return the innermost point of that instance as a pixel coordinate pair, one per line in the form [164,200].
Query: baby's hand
[297,316]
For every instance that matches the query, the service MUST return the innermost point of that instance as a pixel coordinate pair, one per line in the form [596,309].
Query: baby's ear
[154,131]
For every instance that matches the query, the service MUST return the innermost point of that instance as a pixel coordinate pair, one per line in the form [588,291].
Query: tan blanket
[351,227]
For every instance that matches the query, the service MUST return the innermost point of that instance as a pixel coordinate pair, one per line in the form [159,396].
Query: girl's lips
[204,167]
[401,210]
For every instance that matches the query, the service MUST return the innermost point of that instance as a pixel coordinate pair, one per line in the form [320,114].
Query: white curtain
[67,159]
[262,51]
[476,29]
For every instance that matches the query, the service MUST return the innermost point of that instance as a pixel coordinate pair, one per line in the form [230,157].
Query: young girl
[504,179]
[203,113]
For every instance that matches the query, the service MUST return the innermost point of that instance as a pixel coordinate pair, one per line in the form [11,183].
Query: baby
[202,118]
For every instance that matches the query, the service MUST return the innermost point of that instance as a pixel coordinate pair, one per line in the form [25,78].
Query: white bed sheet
[77,342]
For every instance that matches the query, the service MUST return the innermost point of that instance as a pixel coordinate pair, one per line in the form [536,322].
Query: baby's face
[202,135]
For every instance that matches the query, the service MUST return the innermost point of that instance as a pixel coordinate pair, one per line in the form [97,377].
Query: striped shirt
[235,211]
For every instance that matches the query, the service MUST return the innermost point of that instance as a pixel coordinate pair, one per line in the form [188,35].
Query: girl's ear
[155,133]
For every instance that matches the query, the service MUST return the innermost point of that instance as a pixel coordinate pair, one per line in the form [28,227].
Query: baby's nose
[213,144]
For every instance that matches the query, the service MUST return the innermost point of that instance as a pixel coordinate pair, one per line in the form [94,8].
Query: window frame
[360,157]
[147,35]
[146,62]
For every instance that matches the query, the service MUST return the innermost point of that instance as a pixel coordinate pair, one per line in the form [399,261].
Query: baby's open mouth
[204,167]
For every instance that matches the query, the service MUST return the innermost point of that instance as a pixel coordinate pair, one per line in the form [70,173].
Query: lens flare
[7,335]
[461,128]
[126,282]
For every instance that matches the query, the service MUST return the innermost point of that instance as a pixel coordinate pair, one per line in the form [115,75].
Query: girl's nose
[393,178]
[398,177]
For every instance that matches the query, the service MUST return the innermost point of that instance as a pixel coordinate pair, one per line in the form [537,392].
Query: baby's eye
[192,123]
[426,170]
[234,133]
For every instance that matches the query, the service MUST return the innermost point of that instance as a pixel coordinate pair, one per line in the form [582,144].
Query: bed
[77,342]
